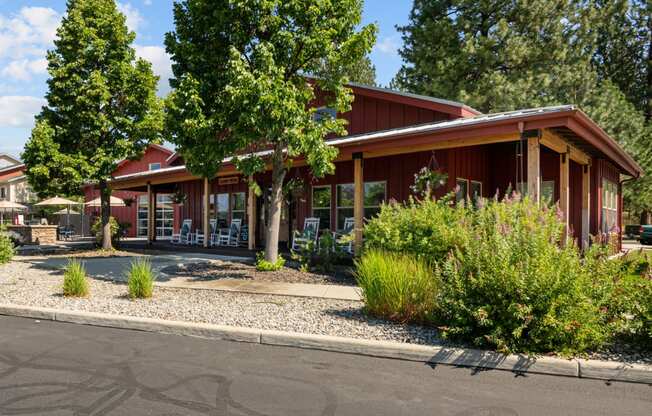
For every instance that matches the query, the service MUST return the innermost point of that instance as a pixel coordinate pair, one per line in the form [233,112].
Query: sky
[28,28]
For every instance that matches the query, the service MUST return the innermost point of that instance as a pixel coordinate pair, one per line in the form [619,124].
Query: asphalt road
[49,368]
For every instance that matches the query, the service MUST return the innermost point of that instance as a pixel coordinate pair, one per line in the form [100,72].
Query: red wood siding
[153,154]
[373,114]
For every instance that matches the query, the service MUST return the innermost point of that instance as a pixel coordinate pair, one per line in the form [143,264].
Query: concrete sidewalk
[115,269]
[269,288]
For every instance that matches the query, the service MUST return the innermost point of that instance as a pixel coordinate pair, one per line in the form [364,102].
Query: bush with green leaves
[397,286]
[622,288]
[428,229]
[516,286]
[140,279]
[75,281]
[263,265]
[6,246]
[322,256]
[96,229]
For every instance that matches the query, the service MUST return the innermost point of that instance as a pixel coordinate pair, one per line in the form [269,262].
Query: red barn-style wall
[153,154]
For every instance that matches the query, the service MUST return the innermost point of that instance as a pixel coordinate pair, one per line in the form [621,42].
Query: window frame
[321,112]
[232,204]
[329,208]
[151,168]
[339,207]
[457,183]
[609,204]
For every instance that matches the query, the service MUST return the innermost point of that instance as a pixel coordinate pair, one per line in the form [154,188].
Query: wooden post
[251,215]
[533,169]
[586,205]
[564,191]
[150,219]
[207,229]
[358,201]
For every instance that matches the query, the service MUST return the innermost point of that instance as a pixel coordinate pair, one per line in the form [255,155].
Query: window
[324,112]
[238,206]
[321,205]
[3,193]
[222,214]
[374,195]
[345,194]
[475,191]
[164,216]
[609,206]
[154,166]
[462,189]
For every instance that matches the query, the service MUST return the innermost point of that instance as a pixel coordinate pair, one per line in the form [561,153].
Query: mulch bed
[218,269]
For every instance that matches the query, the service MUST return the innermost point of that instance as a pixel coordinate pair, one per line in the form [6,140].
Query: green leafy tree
[101,105]
[240,86]
[360,71]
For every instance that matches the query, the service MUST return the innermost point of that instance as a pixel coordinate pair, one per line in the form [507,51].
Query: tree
[240,86]
[623,47]
[361,71]
[101,105]
[505,55]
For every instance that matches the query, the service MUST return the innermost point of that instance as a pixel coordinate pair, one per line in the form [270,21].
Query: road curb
[433,355]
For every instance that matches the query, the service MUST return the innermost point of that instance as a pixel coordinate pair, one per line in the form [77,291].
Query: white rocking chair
[309,234]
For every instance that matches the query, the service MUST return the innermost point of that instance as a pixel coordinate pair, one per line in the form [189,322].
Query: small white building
[13,181]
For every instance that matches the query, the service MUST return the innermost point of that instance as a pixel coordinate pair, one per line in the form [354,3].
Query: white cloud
[134,18]
[30,32]
[161,64]
[388,45]
[24,69]
[19,111]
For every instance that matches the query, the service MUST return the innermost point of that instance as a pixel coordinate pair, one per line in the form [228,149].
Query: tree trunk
[276,205]
[645,217]
[105,198]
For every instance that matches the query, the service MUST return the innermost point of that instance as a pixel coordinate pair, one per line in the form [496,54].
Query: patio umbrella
[115,202]
[66,211]
[58,201]
[8,205]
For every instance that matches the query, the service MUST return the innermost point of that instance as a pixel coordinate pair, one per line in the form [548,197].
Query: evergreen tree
[240,87]
[504,55]
[101,105]
[623,47]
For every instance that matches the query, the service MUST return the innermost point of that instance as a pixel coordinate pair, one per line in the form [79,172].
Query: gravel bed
[22,284]
[218,269]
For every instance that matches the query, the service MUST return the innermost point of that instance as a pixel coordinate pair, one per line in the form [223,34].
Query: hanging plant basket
[179,198]
[128,201]
[428,179]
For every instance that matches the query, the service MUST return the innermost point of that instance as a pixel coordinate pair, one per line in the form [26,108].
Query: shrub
[623,290]
[321,257]
[6,246]
[427,229]
[75,282]
[398,287]
[516,287]
[141,279]
[96,229]
[263,265]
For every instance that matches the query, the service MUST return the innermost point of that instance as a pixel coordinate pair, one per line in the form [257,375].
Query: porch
[555,155]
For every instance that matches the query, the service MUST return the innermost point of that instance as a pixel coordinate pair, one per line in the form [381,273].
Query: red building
[556,153]
[135,213]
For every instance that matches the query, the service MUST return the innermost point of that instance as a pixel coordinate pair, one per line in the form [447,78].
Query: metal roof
[440,125]
[478,120]
[415,96]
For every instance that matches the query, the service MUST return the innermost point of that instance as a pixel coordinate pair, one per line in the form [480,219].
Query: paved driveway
[51,368]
